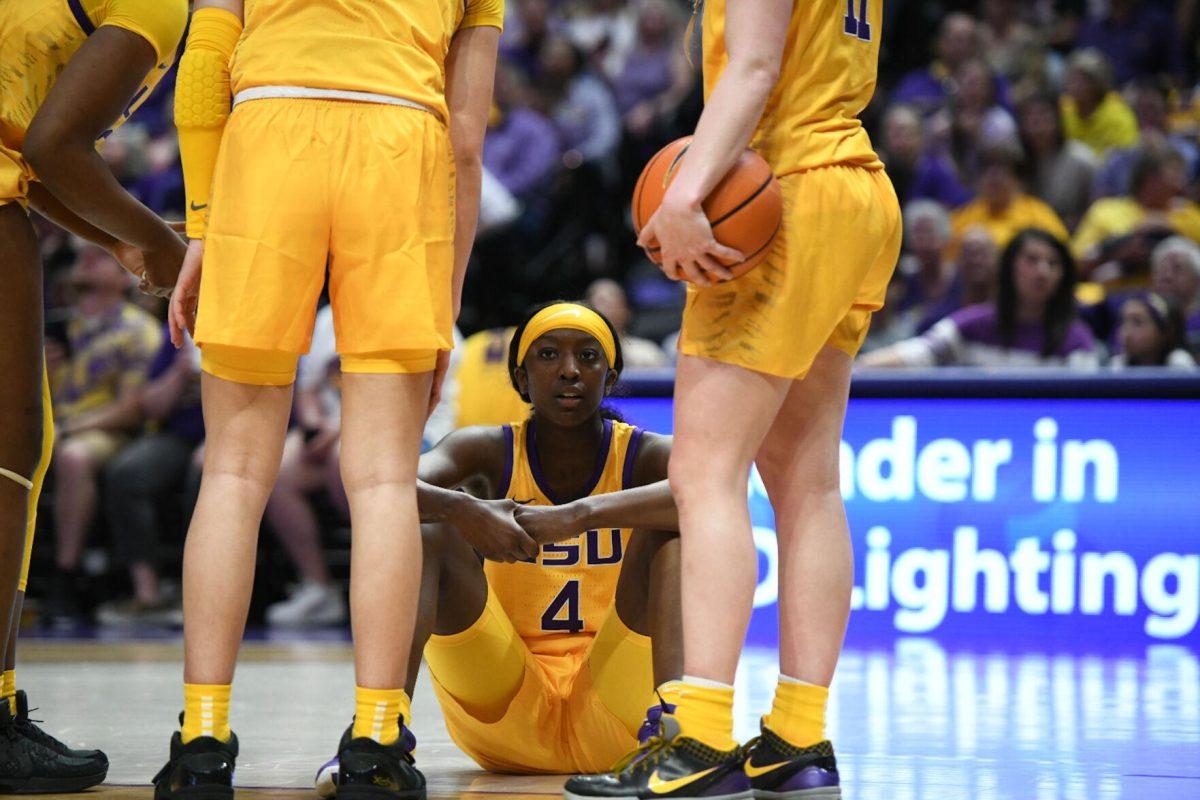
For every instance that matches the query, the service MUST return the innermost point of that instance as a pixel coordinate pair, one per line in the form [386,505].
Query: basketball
[745,208]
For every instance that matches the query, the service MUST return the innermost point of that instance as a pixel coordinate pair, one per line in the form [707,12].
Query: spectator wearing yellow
[1119,232]
[1002,208]
[1092,112]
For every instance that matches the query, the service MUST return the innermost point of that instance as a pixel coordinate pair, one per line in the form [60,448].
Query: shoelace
[651,743]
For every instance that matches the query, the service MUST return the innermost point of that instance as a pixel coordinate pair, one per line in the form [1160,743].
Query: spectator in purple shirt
[1032,323]
[141,480]
[522,148]
[1138,38]
[917,172]
[929,88]
[579,103]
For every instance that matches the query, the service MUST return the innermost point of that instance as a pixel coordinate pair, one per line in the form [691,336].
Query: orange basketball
[745,209]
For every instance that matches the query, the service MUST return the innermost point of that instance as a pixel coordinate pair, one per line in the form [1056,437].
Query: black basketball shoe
[781,771]
[667,765]
[28,728]
[202,769]
[368,770]
[28,767]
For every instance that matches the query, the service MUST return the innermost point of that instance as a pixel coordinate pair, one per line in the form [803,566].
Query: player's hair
[617,366]
[1060,308]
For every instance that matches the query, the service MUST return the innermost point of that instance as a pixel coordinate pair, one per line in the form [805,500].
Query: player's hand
[490,527]
[439,377]
[548,524]
[181,316]
[687,248]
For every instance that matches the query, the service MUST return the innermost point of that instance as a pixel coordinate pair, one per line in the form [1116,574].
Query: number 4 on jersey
[568,600]
[859,27]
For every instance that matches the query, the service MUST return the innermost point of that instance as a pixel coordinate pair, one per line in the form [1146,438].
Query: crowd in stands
[1045,153]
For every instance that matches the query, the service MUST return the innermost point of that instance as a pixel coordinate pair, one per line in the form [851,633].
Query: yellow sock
[377,713]
[205,711]
[704,710]
[8,690]
[798,714]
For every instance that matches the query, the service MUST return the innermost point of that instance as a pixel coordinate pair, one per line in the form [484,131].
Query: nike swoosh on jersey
[755,772]
[659,786]
[199,207]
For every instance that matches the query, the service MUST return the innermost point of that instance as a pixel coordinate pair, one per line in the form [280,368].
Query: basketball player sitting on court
[546,662]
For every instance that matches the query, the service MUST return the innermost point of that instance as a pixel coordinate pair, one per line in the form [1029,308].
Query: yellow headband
[573,317]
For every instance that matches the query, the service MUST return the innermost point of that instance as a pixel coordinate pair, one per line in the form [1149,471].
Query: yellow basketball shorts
[15,176]
[576,712]
[361,192]
[828,270]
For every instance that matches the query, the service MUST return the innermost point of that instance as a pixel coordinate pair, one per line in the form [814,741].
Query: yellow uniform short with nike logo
[575,708]
[305,188]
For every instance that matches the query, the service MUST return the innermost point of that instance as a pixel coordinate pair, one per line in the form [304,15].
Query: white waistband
[303,92]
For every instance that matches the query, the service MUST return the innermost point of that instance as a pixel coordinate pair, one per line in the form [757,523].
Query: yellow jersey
[485,393]
[558,600]
[827,77]
[390,47]
[39,37]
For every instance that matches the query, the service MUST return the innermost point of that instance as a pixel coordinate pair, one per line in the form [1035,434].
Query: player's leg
[648,598]
[245,426]
[798,463]
[709,473]
[382,419]
[21,396]
[29,758]
[638,647]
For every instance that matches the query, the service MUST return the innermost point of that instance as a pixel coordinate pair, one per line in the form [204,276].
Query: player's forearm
[650,506]
[52,209]
[80,179]
[436,504]
[725,128]
[468,179]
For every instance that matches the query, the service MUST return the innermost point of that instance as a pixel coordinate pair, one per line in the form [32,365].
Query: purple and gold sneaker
[667,765]
[780,771]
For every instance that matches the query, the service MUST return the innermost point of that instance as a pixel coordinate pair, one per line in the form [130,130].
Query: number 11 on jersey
[860,26]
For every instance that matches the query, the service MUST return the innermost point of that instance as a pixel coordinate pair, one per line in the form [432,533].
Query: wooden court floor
[912,720]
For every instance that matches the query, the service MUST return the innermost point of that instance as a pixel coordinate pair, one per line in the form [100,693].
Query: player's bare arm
[648,506]
[470,73]
[92,91]
[465,456]
[755,34]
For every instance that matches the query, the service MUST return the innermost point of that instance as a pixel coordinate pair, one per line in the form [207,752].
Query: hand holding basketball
[686,247]
[729,234]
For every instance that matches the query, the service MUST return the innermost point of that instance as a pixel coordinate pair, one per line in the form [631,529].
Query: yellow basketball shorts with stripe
[827,272]
[574,712]
[361,193]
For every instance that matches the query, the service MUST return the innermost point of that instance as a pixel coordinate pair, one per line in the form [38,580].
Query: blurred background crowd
[1045,153]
